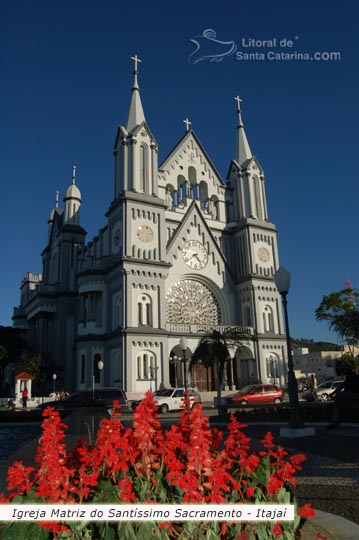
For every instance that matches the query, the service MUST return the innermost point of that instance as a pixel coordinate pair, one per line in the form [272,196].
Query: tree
[341,309]
[345,363]
[213,351]
[12,343]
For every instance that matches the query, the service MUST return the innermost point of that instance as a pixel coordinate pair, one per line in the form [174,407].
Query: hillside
[314,346]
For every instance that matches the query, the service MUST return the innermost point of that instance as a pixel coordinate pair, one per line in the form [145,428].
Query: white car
[171,399]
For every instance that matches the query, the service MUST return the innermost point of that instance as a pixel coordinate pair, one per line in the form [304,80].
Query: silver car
[323,390]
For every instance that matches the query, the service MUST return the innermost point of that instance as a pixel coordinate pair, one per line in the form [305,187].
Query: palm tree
[213,350]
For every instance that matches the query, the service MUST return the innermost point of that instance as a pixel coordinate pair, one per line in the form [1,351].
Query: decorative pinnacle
[74,174]
[188,123]
[57,199]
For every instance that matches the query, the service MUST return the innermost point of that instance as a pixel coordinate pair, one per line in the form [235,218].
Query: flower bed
[190,463]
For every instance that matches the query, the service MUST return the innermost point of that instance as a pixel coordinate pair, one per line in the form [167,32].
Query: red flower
[267,440]
[250,491]
[277,529]
[53,476]
[274,484]
[19,478]
[306,511]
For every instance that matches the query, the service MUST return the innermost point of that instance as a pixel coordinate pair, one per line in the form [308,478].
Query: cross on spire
[188,123]
[239,101]
[57,199]
[74,174]
[136,61]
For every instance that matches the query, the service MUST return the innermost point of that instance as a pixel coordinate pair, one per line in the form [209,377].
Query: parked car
[100,397]
[171,399]
[323,390]
[256,394]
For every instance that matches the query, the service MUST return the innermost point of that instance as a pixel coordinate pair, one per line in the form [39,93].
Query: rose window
[192,302]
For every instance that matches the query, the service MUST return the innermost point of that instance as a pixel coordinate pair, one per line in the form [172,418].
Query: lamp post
[282,281]
[173,361]
[100,365]
[54,377]
[183,345]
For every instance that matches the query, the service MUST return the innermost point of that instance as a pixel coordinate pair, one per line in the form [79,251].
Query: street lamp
[282,281]
[100,365]
[173,361]
[54,377]
[183,345]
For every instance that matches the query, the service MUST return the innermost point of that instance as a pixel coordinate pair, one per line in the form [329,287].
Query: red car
[255,394]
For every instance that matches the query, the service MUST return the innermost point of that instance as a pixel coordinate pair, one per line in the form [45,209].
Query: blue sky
[66,84]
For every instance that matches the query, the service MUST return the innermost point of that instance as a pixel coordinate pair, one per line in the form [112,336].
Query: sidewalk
[330,476]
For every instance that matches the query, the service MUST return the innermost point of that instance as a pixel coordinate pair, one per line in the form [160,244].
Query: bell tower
[256,254]
[136,150]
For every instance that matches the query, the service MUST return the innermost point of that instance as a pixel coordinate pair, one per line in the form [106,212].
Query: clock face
[145,233]
[263,254]
[194,254]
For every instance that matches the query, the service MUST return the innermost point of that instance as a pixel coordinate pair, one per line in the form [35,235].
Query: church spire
[74,175]
[135,115]
[243,151]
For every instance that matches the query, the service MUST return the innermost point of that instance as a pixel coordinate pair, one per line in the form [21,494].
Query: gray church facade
[182,253]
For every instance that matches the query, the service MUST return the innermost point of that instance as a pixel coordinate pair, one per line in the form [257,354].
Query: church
[182,253]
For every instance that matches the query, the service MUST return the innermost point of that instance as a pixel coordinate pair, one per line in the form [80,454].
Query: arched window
[181,188]
[146,366]
[116,311]
[96,371]
[213,207]
[54,268]
[268,321]
[257,196]
[98,309]
[116,369]
[247,316]
[272,364]
[144,310]
[192,177]
[170,196]
[203,194]
[143,167]
[82,369]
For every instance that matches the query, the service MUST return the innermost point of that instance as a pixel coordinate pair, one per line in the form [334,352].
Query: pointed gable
[194,227]
[189,154]
[251,165]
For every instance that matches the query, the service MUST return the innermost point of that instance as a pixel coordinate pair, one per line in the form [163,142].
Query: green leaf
[126,530]
[24,531]
[262,532]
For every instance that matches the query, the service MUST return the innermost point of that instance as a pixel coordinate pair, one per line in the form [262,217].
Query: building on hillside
[182,253]
[322,363]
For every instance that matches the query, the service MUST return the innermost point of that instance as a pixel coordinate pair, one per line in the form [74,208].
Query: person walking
[314,386]
[345,394]
[25,395]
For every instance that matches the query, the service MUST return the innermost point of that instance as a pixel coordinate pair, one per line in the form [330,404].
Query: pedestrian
[25,395]
[345,394]
[10,405]
[313,383]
